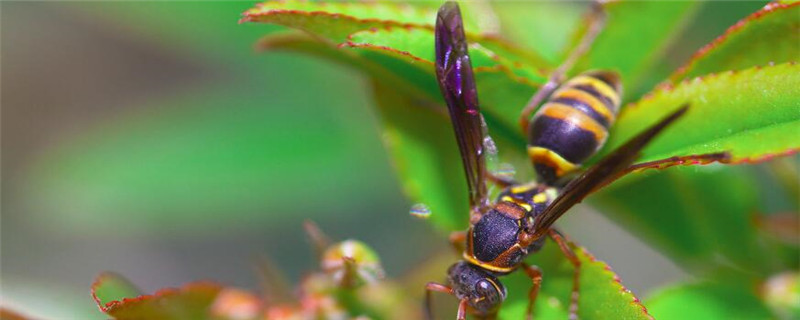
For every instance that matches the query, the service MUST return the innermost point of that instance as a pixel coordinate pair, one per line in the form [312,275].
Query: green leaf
[634,39]
[191,301]
[752,114]
[388,65]
[110,287]
[406,53]
[601,295]
[337,20]
[700,216]
[501,94]
[416,131]
[543,26]
[487,54]
[421,143]
[708,300]
[120,299]
[401,53]
[420,140]
[504,74]
[770,35]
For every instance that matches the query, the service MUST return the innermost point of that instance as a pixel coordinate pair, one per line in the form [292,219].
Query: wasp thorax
[495,235]
[483,291]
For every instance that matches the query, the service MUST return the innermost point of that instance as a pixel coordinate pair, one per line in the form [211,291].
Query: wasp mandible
[570,127]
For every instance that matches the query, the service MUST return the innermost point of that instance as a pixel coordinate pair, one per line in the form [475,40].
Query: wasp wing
[457,83]
[602,173]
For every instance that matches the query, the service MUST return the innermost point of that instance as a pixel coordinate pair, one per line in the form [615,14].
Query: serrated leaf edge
[250,15]
[616,281]
[99,281]
[111,306]
[667,87]
[765,157]
[771,7]
[688,160]
[349,43]
[496,68]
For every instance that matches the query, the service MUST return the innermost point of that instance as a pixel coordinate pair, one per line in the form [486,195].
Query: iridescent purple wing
[602,173]
[454,73]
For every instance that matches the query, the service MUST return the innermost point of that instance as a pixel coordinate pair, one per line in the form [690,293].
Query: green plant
[743,87]
[744,92]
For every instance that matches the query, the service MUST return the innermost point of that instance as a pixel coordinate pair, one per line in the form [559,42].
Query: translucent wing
[602,173]
[454,74]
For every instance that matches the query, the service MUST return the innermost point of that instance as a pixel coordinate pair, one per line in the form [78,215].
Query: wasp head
[482,290]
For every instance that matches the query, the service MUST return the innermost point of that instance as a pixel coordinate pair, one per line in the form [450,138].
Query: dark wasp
[568,129]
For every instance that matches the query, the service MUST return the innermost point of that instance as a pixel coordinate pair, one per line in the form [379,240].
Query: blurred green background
[148,138]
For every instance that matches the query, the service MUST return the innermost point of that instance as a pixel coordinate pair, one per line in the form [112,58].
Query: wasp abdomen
[573,124]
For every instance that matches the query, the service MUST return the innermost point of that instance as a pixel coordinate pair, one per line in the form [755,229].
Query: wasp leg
[429,288]
[501,182]
[536,276]
[596,20]
[477,213]
[458,239]
[544,91]
[565,245]
[462,310]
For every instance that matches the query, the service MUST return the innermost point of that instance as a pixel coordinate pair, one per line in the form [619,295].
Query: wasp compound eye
[491,290]
[488,295]
[480,289]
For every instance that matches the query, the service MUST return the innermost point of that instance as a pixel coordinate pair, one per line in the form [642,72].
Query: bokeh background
[148,138]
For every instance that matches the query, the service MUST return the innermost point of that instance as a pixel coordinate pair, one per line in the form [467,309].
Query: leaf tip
[616,281]
[765,157]
[771,7]
[102,279]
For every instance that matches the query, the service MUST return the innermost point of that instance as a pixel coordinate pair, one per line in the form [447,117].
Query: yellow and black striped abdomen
[573,124]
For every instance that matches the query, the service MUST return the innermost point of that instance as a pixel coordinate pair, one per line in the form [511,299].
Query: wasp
[570,127]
